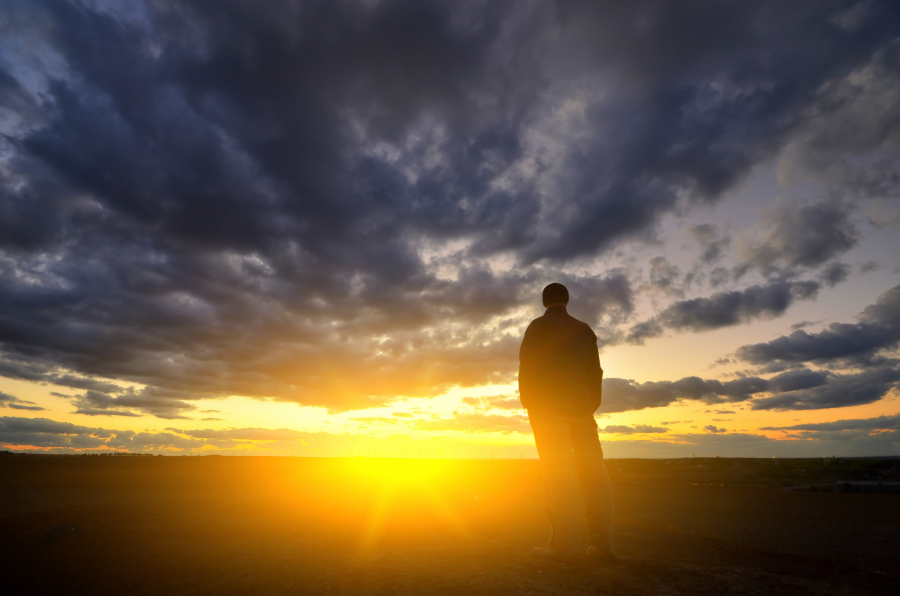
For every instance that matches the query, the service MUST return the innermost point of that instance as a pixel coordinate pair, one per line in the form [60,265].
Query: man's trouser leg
[593,480]
[553,439]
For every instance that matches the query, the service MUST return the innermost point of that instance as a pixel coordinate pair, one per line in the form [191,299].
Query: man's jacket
[559,366]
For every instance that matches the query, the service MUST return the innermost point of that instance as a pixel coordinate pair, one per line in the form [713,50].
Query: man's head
[555,294]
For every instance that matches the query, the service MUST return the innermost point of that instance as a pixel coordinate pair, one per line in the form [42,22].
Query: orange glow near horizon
[401,482]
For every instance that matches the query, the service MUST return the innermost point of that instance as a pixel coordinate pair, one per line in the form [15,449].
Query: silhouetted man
[560,386]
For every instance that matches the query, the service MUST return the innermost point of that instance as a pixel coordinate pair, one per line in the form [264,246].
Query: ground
[261,525]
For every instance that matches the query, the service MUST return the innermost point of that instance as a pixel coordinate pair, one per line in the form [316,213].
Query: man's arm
[526,366]
[595,373]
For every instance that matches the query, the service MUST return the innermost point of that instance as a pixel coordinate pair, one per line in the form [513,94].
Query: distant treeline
[121,453]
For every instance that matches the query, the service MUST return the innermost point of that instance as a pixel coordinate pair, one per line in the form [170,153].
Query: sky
[321,227]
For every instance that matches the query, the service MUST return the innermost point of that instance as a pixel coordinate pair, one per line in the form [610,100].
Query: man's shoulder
[534,327]
[535,323]
[584,327]
[587,329]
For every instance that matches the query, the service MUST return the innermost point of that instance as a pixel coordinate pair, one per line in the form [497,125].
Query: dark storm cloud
[842,390]
[866,345]
[10,401]
[712,242]
[863,424]
[714,429]
[859,343]
[705,59]
[314,201]
[868,266]
[856,116]
[23,405]
[150,400]
[41,432]
[874,436]
[664,276]
[104,398]
[804,237]
[599,299]
[835,273]
[36,371]
[621,395]
[798,389]
[44,433]
[724,309]
[881,430]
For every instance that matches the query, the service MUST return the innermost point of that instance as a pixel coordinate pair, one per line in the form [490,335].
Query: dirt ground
[259,525]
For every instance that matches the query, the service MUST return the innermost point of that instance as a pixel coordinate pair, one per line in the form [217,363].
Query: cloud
[21,406]
[713,429]
[854,115]
[477,423]
[868,266]
[878,330]
[834,273]
[664,276]
[804,324]
[874,436]
[245,434]
[375,420]
[19,368]
[9,401]
[500,402]
[160,403]
[724,309]
[796,389]
[891,422]
[712,242]
[883,431]
[212,199]
[636,429]
[804,236]
[852,346]
[740,444]
[87,411]
[50,435]
[621,395]
[45,433]
[840,391]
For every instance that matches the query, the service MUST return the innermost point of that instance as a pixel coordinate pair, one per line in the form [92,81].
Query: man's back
[559,365]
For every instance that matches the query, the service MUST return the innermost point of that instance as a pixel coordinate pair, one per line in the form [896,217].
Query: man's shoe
[602,556]
[549,552]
